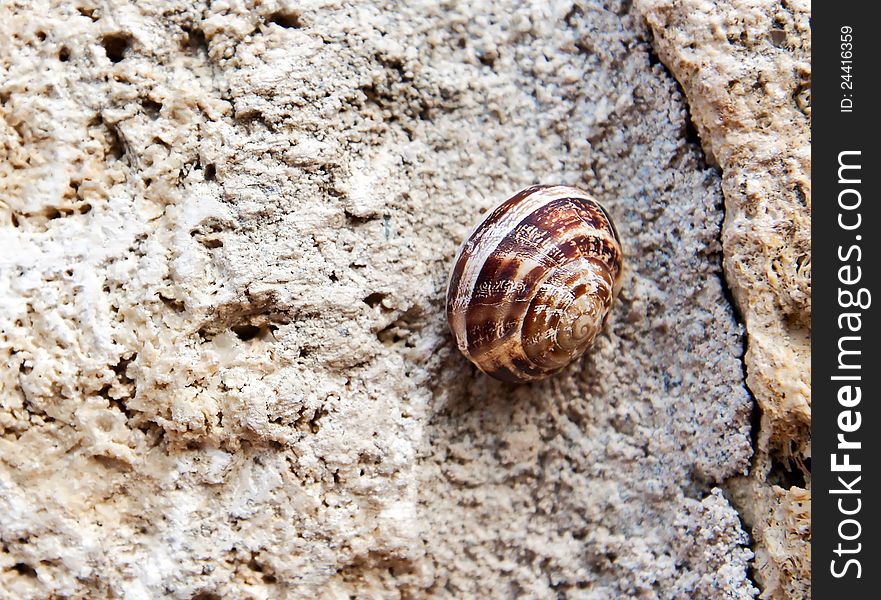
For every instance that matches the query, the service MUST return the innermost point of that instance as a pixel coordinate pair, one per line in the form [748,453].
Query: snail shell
[534,282]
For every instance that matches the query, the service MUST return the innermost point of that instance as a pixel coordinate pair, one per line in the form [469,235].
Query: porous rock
[745,68]
[226,230]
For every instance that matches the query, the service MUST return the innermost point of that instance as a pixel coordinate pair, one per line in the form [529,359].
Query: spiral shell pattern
[534,282]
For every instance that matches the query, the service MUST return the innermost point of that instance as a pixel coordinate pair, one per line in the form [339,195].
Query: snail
[534,282]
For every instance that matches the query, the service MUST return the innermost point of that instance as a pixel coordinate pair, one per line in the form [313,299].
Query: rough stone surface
[745,67]
[225,237]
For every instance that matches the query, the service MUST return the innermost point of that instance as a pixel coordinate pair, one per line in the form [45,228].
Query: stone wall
[226,229]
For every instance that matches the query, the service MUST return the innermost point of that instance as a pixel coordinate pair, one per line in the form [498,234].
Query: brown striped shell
[534,282]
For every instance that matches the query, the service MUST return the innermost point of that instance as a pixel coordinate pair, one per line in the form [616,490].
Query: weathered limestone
[224,239]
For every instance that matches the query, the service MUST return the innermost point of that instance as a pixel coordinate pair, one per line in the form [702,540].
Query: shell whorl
[533,283]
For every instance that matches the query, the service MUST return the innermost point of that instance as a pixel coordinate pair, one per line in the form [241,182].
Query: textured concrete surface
[226,232]
[745,67]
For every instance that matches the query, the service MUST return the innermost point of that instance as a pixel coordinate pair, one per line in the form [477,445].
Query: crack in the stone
[692,135]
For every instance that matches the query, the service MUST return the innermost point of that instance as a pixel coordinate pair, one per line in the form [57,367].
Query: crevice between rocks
[692,136]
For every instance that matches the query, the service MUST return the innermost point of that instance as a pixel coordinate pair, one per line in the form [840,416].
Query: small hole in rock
[572,16]
[172,303]
[392,334]
[112,463]
[194,40]
[210,172]
[247,331]
[24,569]
[778,37]
[151,107]
[288,20]
[116,147]
[691,134]
[88,12]
[488,59]
[64,54]
[115,46]
[374,299]
[786,474]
